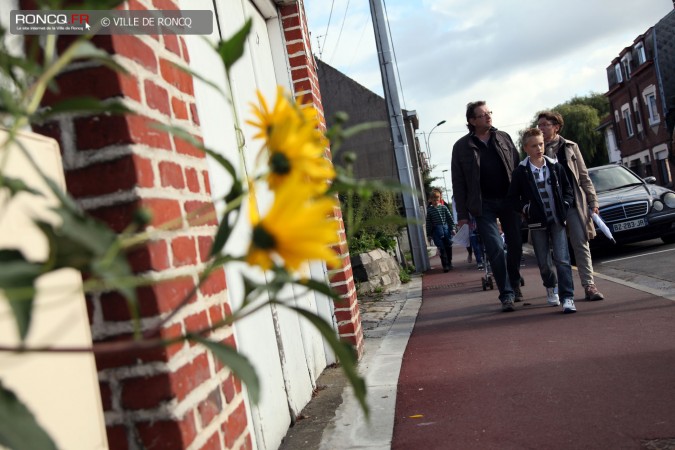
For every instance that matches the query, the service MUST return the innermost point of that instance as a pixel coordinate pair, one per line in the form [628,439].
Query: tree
[595,100]
[428,179]
[581,123]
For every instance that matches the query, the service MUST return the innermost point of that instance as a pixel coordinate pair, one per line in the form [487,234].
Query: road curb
[380,366]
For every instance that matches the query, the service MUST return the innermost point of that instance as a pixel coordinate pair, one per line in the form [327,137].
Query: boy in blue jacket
[440,228]
[541,192]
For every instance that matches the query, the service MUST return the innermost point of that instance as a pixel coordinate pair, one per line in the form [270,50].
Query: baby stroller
[488,280]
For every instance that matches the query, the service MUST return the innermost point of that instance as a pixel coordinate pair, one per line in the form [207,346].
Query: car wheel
[668,239]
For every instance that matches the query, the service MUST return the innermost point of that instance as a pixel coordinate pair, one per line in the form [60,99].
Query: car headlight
[669,199]
[657,205]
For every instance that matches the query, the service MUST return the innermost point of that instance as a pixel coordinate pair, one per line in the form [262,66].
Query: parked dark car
[633,208]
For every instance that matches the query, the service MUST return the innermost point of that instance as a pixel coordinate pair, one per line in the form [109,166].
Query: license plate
[623,226]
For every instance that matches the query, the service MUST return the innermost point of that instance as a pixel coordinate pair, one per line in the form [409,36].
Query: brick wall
[180,396]
[176,397]
[306,87]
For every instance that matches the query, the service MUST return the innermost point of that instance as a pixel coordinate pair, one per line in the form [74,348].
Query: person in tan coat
[580,226]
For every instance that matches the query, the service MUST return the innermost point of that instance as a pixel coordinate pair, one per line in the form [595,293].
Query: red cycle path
[476,378]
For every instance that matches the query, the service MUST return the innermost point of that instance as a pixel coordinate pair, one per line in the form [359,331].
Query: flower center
[262,239]
[279,163]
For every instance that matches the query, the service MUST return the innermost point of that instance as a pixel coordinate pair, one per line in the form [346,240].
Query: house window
[654,118]
[638,116]
[625,112]
[625,63]
[640,50]
[638,120]
[617,69]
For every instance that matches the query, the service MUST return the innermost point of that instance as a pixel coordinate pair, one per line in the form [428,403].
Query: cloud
[521,56]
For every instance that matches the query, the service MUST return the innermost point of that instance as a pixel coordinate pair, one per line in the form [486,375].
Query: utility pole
[418,244]
[445,184]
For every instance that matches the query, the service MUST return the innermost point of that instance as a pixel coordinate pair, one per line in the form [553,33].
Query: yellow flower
[295,145]
[297,228]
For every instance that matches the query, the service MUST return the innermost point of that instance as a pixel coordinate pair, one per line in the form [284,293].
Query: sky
[520,56]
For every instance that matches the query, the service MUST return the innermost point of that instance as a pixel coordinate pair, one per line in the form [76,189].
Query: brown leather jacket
[584,191]
[465,168]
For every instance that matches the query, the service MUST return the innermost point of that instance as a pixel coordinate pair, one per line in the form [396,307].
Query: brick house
[641,95]
[180,397]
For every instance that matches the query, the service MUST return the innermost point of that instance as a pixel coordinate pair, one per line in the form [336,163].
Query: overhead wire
[358,44]
[337,44]
[330,15]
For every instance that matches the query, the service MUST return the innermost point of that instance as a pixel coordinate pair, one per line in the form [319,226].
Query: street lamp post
[445,184]
[427,138]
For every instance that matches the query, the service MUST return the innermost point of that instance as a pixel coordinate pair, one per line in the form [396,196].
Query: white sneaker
[568,306]
[552,296]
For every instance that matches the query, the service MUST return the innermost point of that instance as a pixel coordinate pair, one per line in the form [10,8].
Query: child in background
[541,191]
[440,227]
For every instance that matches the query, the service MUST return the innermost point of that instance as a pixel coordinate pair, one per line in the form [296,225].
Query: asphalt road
[476,378]
[648,264]
[606,380]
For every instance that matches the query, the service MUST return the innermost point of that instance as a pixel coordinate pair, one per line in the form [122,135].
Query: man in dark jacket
[541,192]
[482,164]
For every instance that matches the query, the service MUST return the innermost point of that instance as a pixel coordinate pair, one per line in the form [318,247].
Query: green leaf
[221,237]
[18,427]
[188,137]
[250,287]
[66,200]
[86,50]
[343,351]
[17,280]
[238,363]
[84,104]
[360,128]
[230,50]
[16,185]
[236,191]
[77,240]
[85,244]
[200,78]
[318,286]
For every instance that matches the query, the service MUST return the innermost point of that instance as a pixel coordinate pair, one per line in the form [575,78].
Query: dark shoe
[592,293]
[518,295]
[507,306]
[446,270]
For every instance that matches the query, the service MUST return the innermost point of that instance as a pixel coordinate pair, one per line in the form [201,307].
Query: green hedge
[372,225]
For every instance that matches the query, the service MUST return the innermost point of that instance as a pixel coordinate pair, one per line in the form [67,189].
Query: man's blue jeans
[505,265]
[553,240]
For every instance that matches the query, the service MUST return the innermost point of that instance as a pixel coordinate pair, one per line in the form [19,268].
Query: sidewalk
[470,376]
[333,419]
